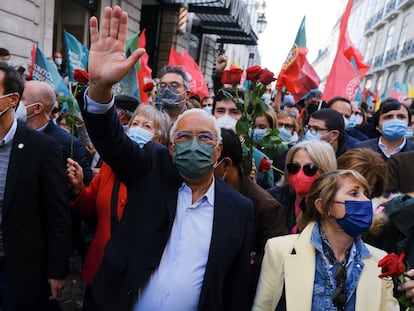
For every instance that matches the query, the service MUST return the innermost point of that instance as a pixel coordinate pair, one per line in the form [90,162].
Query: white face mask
[7,108]
[21,112]
[227,122]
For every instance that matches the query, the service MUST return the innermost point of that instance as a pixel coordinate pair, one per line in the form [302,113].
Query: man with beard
[174,92]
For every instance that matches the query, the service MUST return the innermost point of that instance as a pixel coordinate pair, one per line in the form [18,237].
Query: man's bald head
[39,91]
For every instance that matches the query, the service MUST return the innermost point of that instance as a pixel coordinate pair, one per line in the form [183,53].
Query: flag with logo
[76,55]
[297,75]
[348,68]
[43,70]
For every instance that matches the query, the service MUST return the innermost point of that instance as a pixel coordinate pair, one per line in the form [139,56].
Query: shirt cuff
[96,108]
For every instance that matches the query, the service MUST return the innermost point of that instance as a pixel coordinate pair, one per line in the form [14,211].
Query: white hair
[194,111]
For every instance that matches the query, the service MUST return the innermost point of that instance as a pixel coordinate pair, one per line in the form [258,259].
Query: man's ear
[335,134]
[14,99]
[187,94]
[171,149]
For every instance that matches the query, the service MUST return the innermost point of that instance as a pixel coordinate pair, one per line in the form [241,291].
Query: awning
[229,19]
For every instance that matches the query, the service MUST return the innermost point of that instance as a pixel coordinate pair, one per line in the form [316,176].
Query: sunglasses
[308,169]
[339,297]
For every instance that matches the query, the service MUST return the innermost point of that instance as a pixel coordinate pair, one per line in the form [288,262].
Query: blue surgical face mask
[311,135]
[193,159]
[139,135]
[258,135]
[409,133]
[357,219]
[58,61]
[394,129]
[352,122]
[285,134]
[208,109]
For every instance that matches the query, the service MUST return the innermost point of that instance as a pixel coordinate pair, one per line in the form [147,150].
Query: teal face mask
[193,159]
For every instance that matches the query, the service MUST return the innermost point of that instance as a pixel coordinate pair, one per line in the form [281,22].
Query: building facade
[211,28]
[381,30]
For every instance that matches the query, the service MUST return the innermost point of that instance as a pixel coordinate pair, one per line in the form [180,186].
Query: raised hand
[107,62]
[221,62]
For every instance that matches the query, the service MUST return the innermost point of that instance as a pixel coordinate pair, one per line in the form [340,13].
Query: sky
[283,21]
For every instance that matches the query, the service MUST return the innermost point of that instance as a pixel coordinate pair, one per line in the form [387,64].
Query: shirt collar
[209,195]
[383,148]
[10,134]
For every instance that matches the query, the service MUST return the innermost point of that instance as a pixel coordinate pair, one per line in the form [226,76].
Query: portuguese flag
[297,75]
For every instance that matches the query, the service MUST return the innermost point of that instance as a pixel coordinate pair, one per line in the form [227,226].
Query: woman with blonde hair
[305,161]
[328,265]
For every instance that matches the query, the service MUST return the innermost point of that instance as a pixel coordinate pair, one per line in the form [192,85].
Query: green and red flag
[297,75]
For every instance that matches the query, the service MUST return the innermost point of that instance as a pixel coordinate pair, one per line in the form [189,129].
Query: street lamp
[261,23]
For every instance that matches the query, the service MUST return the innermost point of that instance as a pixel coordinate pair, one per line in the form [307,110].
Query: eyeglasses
[308,169]
[205,137]
[174,85]
[339,297]
[285,125]
[315,129]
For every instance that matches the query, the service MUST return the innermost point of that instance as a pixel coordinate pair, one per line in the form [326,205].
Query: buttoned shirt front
[176,284]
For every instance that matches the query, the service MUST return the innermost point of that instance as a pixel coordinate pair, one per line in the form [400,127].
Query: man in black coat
[35,220]
[184,240]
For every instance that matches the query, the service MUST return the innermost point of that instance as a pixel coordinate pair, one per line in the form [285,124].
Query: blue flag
[76,55]
[44,70]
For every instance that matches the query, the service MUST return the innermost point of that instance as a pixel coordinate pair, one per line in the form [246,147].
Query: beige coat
[297,272]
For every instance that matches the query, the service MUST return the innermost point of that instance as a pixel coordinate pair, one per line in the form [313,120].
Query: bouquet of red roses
[251,106]
[393,266]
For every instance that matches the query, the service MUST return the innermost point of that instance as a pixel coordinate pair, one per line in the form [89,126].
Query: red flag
[348,68]
[33,59]
[198,84]
[145,72]
[297,75]
[307,80]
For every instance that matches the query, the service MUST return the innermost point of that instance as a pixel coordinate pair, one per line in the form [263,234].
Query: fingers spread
[93,25]
[106,22]
[123,27]
[115,21]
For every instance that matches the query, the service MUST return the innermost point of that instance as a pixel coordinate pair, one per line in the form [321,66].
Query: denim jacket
[325,284]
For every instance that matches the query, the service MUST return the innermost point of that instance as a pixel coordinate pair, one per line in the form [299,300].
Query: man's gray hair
[192,111]
[177,70]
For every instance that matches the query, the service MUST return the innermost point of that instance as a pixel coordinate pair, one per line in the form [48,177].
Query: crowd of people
[177,223]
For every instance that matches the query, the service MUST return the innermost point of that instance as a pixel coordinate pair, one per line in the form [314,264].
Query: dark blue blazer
[373,145]
[35,217]
[79,152]
[135,248]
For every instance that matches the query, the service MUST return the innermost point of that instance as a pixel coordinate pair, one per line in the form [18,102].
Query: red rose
[253,73]
[148,86]
[81,76]
[266,76]
[392,265]
[231,76]
[265,165]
